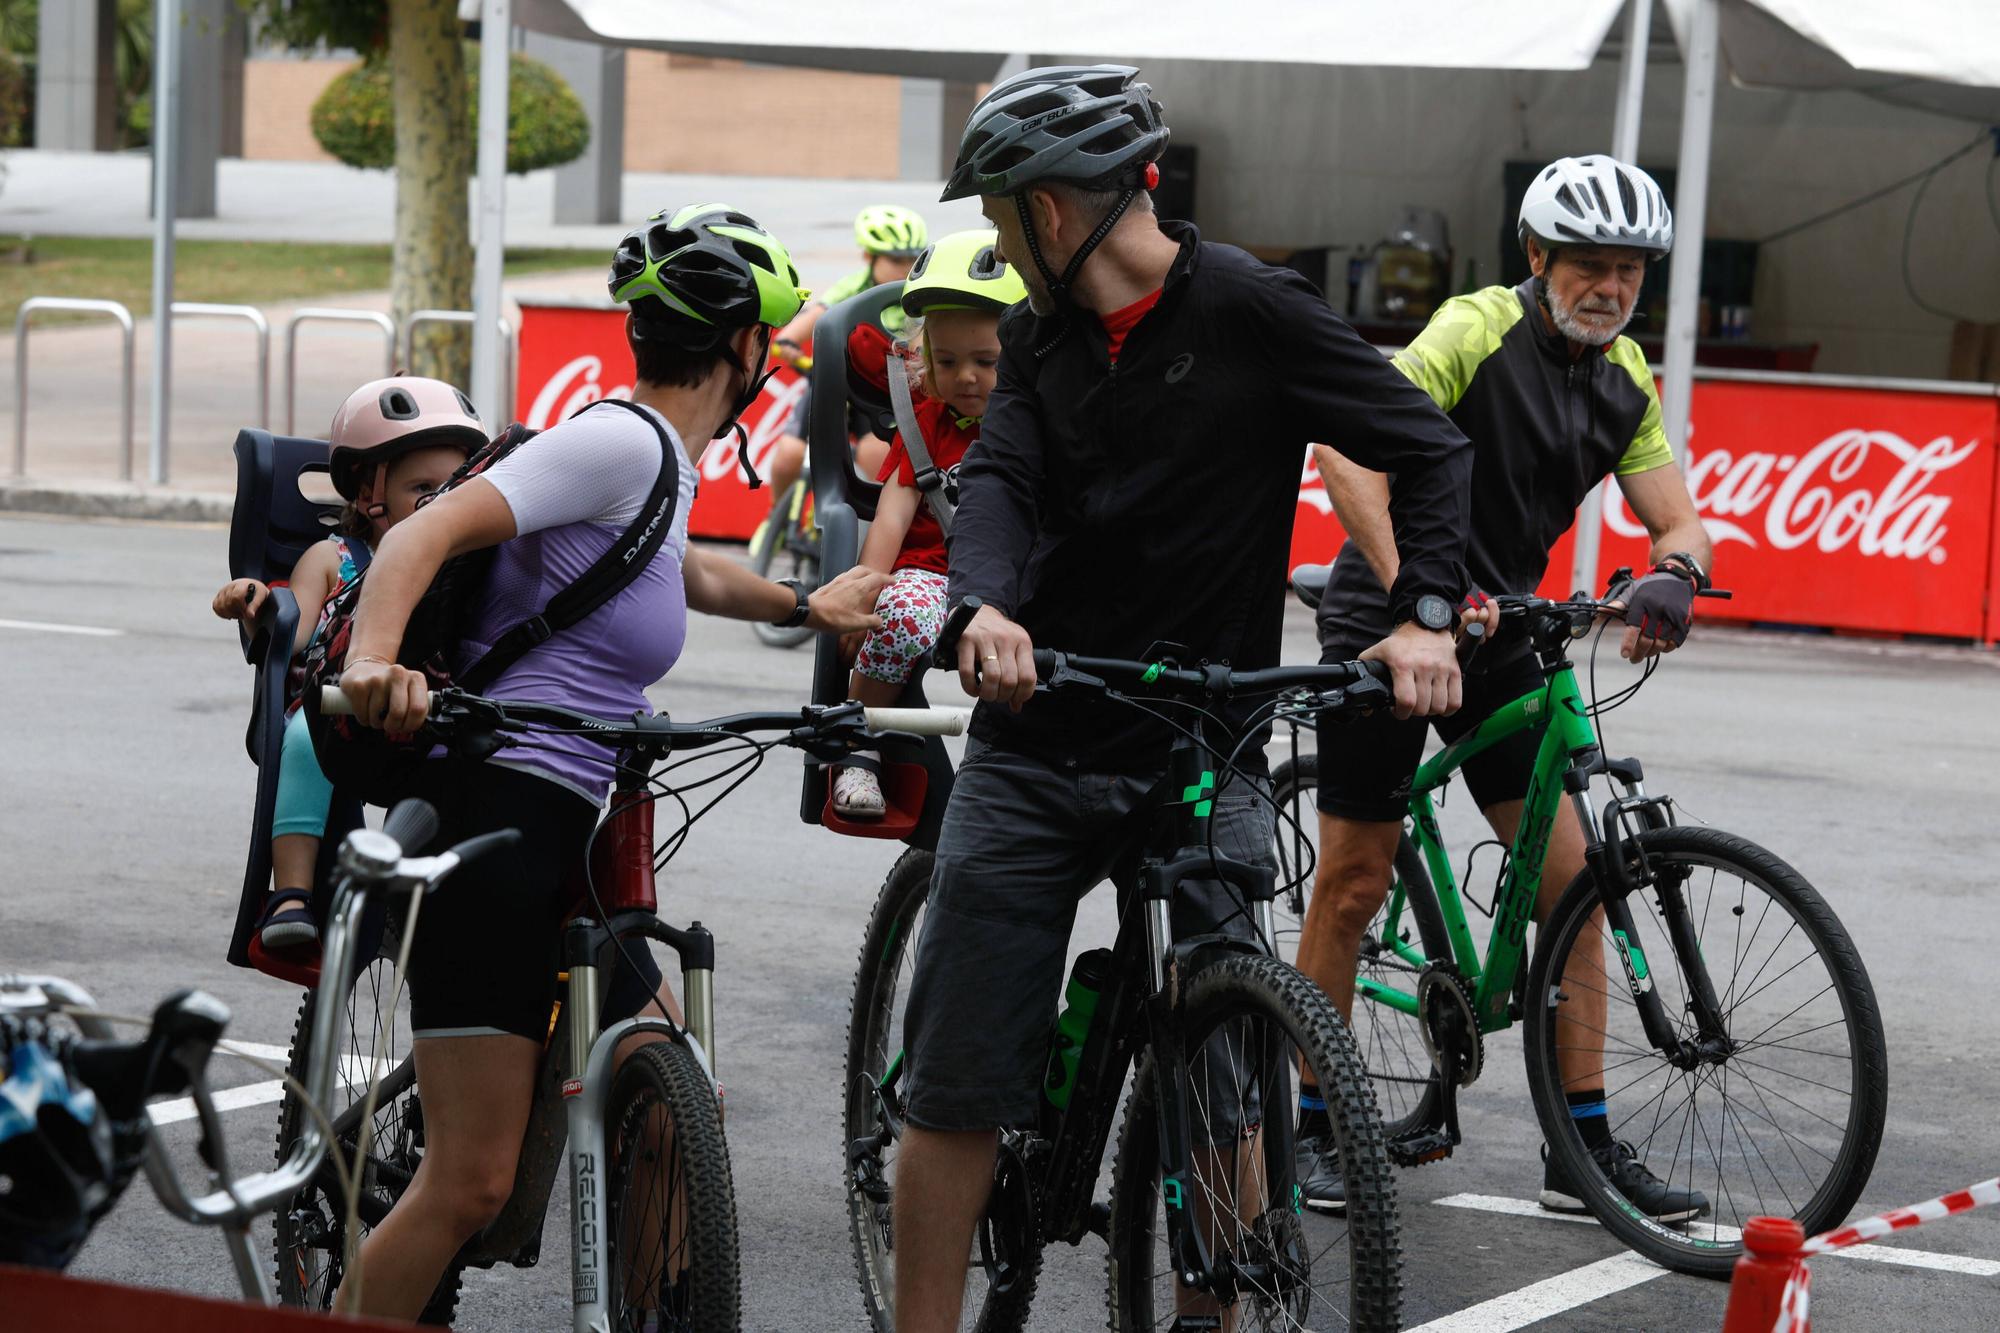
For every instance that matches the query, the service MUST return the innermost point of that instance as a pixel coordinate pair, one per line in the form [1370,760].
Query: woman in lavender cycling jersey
[706,286]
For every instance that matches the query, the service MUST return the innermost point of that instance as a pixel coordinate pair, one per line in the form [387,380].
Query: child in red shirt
[959,288]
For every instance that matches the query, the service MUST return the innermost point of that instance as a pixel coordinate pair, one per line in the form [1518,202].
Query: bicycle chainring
[1449,1029]
[1010,1230]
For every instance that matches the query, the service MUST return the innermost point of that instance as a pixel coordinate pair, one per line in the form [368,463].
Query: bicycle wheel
[873,1085]
[312,1225]
[671,1207]
[1247,1021]
[790,549]
[1784,1118]
[1406,931]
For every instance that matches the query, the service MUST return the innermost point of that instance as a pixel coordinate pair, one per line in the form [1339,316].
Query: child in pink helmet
[395,442]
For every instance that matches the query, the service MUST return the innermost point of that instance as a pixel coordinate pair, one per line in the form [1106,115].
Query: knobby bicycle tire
[874,1035]
[784,533]
[1390,1041]
[1758,1060]
[1258,987]
[309,1249]
[699,1277]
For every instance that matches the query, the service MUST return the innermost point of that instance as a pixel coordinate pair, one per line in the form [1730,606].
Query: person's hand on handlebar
[1479,609]
[1658,610]
[385,695]
[996,660]
[1424,667]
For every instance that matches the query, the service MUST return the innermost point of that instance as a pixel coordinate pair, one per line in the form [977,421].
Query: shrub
[546,124]
[17,100]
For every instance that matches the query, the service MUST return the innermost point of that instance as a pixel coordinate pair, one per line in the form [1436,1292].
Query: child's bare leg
[294,858]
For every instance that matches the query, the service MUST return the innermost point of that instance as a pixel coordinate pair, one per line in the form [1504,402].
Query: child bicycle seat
[272,524]
[842,502]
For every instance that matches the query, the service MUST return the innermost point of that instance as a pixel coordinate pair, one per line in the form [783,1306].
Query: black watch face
[1433,612]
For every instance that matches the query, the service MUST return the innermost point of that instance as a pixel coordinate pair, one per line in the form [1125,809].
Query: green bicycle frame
[1558,714]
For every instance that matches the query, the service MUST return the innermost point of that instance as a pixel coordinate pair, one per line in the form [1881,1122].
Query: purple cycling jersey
[573,491]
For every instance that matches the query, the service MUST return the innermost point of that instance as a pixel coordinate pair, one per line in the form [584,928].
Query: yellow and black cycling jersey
[1545,428]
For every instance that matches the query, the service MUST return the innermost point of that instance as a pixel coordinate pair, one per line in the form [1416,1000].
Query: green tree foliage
[546,124]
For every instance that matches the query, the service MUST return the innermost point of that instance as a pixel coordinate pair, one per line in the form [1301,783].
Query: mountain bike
[787,546]
[653,1224]
[1204,1222]
[187,1029]
[1743,1047]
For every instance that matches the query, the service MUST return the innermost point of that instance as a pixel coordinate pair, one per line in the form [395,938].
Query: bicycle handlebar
[809,723]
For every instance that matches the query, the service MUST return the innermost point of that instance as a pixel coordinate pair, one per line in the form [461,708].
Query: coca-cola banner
[574,355]
[1865,509]
[1869,509]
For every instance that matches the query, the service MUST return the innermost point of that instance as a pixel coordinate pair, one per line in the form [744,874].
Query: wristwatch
[799,612]
[1433,612]
[1691,565]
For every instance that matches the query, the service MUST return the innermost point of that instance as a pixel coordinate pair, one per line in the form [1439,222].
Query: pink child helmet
[385,419]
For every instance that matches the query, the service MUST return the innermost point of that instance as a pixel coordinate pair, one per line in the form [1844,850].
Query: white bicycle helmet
[1596,200]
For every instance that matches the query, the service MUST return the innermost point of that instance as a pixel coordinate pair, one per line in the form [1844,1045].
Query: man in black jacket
[1135,481]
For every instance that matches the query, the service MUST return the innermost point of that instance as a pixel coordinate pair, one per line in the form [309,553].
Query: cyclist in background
[891,237]
[1134,481]
[1554,401]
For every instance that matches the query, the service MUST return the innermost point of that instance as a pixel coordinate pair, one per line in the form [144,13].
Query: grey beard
[1576,330]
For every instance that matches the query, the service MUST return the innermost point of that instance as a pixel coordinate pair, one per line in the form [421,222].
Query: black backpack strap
[626,559]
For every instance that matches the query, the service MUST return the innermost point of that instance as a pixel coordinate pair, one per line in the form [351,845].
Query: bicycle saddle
[1309,582]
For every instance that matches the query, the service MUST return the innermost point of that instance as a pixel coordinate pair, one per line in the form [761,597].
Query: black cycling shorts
[1365,761]
[488,943]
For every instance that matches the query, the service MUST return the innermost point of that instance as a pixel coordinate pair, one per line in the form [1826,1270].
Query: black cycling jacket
[1544,427]
[1105,508]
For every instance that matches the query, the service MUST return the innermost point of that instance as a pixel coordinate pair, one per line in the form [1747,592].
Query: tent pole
[1690,215]
[1624,147]
[488,349]
[166,203]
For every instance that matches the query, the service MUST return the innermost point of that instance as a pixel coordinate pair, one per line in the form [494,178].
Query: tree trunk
[431,266]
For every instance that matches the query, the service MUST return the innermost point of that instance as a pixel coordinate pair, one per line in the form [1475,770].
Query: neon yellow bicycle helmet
[962,272]
[702,272]
[888,229]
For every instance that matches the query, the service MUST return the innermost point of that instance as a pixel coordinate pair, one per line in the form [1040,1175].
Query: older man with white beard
[1554,401]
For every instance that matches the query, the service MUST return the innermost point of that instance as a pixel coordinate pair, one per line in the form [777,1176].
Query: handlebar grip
[1045,662]
[486,844]
[1380,671]
[1471,639]
[918,721]
[945,655]
[332,703]
[412,824]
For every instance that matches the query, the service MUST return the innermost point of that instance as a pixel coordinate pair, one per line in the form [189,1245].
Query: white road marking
[1548,1298]
[49,627]
[1881,1254]
[229,1099]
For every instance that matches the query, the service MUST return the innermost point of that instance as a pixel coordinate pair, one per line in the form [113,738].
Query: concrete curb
[115,502]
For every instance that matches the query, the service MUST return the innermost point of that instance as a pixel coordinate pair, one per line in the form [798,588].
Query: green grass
[233,272]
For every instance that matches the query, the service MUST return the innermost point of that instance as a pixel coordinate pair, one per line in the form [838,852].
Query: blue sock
[1312,1112]
[1586,1108]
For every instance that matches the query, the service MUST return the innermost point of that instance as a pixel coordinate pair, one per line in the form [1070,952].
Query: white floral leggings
[912,611]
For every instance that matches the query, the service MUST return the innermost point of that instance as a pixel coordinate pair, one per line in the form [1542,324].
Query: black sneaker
[1318,1175]
[1622,1167]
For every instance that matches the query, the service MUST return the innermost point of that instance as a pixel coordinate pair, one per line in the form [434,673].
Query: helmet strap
[379,506]
[753,386]
[1059,285]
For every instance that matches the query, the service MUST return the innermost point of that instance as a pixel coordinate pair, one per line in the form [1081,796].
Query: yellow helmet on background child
[962,271]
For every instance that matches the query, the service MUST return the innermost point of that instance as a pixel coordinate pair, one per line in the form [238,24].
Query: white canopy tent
[1942,55]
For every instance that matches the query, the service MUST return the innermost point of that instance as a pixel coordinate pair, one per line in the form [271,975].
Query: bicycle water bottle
[1086,979]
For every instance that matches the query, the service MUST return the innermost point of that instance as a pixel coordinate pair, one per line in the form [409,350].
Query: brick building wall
[682,114]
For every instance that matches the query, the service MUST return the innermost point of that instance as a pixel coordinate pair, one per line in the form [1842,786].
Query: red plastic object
[903,789]
[299,969]
[51,1303]
[1770,1253]
[621,860]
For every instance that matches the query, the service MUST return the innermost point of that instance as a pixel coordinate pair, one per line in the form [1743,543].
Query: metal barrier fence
[251,315]
[80,306]
[395,348]
[418,318]
[330,315]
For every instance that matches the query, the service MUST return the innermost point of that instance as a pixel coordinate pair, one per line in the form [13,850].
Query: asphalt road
[124,810]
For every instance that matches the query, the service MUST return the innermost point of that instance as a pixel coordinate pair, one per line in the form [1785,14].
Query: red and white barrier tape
[1794,1305]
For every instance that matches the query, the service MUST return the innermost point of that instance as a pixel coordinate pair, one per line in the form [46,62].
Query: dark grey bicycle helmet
[1088,125]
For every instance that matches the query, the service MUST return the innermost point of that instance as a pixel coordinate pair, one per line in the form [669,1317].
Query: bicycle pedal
[1197,1323]
[1421,1149]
